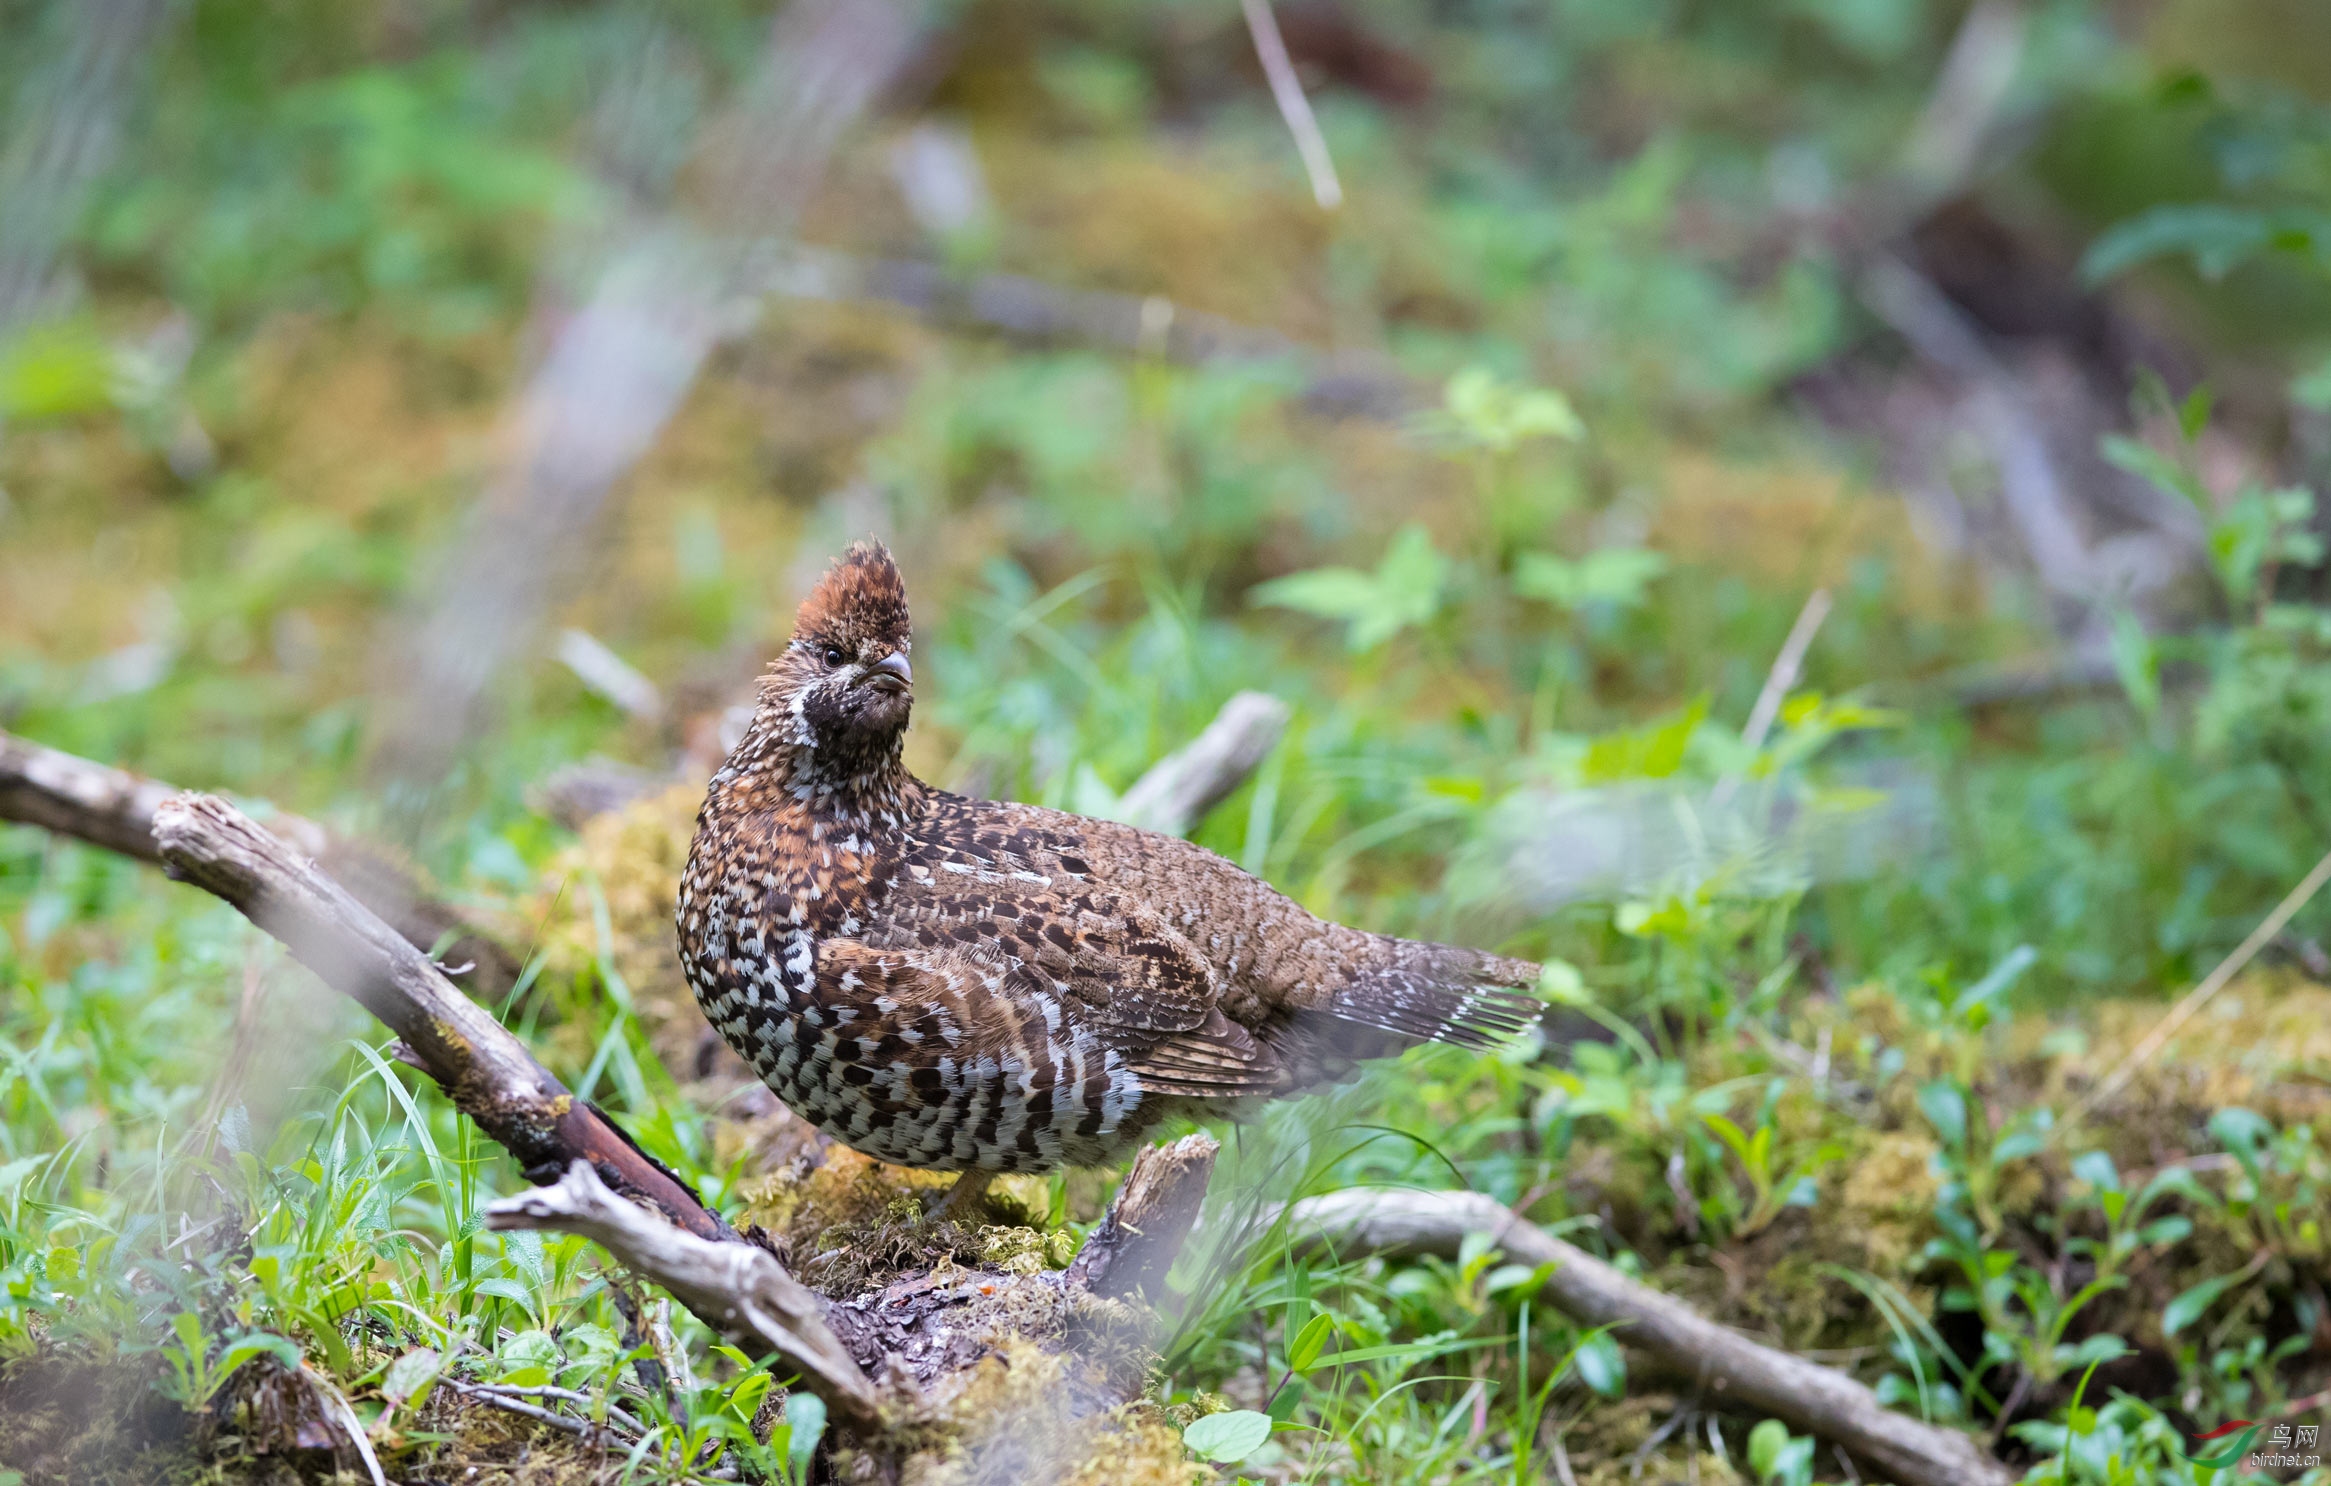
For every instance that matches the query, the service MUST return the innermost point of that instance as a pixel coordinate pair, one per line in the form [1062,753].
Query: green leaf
[2193,415]
[1224,1438]
[1945,1108]
[2102,1347]
[55,371]
[410,1375]
[502,1287]
[805,1413]
[744,1400]
[2215,236]
[1330,593]
[1500,415]
[2150,464]
[2096,1168]
[1560,981]
[252,1345]
[1517,1281]
[1765,1443]
[1614,575]
[2137,662]
[2017,1147]
[1404,591]
[1655,751]
[2190,1303]
[1431,1346]
[1289,1399]
[13,1174]
[1309,1342]
[1601,1365]
[531,1359]
[1731,1134]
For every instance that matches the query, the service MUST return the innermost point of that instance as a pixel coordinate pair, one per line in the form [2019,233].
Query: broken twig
[1147,1224]
[739,1290]
[484,1070]
[1726,1366]
[112,808]
[1180,788]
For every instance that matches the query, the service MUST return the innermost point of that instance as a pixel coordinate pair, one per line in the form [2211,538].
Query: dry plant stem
[1727,1367]
[112,808]
[2195,999]
[344,1417]
[1137,1240]
[1782,678]
[1287,92]
[485,1070]
[1778,683]
[738,1290]
[1180,788]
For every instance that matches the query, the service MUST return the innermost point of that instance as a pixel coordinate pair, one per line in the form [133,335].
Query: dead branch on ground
[1172,795]
[1177,791]
[1033,312]
[737,1289]
[1730,1368]
[482,1067]
[113,808]
[912,1333]
[1129,1253]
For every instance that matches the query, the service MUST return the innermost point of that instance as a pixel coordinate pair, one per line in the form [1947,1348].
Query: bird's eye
[833,655]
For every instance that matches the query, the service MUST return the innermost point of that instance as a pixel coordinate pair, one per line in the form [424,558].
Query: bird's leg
[963,1199]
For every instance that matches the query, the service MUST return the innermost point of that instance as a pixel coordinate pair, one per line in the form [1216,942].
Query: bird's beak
[891,674]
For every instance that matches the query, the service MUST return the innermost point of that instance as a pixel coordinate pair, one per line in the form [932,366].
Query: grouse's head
[843,688]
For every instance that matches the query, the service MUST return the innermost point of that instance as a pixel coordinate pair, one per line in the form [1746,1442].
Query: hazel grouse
[968,985]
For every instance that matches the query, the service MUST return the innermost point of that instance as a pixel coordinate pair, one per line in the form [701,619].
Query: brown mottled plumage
[966,985]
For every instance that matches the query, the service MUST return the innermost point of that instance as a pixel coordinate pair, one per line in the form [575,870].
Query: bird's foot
[965,1200]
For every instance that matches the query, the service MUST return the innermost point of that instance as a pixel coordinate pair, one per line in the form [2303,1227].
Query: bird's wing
[1100,960]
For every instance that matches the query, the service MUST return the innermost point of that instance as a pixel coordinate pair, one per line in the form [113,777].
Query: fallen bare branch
[1144,1229]
[485,1070]
[113,808]
[2029,484]
[1180,788]
[582,1429]
[616,1414]
[737,1289]
[1803,1395]
[107,807]
[1173,795]
[1034,312]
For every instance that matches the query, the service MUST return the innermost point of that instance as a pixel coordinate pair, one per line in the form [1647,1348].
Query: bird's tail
[1438,993]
